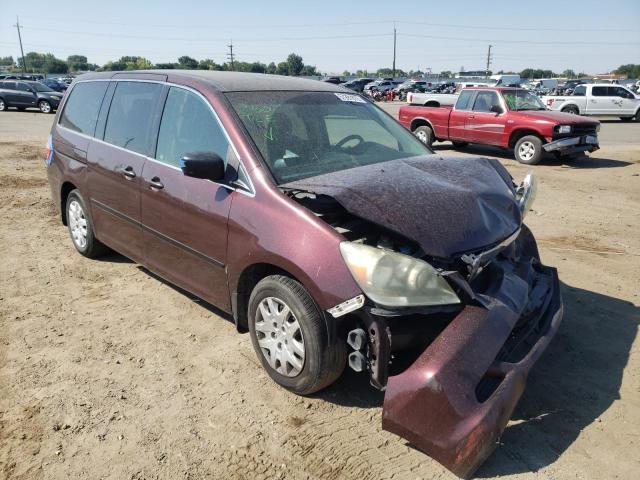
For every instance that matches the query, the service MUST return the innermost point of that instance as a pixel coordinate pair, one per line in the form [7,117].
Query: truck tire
[572,109]
[528,150]
[424,134]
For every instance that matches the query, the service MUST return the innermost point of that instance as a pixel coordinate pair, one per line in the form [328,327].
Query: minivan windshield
[302,134]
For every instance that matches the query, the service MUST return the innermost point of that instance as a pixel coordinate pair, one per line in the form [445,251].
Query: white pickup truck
[433,99]
[598,99]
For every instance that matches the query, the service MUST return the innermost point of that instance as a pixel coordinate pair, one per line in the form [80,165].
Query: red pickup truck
[504,117]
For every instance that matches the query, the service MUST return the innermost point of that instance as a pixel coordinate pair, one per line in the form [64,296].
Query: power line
[230,55]
[24,63]
[525,42]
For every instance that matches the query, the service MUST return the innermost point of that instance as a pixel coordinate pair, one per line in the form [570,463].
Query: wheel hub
[280,337]
[526,150]
[77,224]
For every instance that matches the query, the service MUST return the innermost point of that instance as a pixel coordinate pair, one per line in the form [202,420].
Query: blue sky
[591,36]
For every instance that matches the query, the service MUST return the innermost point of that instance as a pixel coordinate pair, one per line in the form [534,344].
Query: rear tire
[572,109]
[81,227]
[627,119]
[424,133]
[322,360]
[528,150]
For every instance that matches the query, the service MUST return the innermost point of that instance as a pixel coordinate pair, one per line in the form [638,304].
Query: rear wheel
[528,150]
[572,109]
[627,119]
[290,337]
[424,133]
[80,229]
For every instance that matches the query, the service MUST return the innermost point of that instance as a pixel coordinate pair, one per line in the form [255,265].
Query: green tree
[294,64]
[7,61]
[206,64]
[446,74]
[128,63]
[77,63]
[629,70]
[282,69]
[271,68]
[188,63]
[165,66]
[54,65]
[309,71]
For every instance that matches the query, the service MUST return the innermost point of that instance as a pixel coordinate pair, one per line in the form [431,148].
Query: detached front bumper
[456,399]
[568,146]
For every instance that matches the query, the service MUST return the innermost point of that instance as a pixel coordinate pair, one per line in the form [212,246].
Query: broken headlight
[526,193]
[395,280]
[564,128]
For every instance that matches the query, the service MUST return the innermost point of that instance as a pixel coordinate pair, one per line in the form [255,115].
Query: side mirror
[205,165]
[496,108]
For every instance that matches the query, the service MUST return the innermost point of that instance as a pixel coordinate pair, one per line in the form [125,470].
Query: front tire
[424,133]
[289,336]
[44,106]
[80,227]
[3,105]
[528,150]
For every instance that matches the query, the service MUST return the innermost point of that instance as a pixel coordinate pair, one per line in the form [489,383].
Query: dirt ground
[108,372]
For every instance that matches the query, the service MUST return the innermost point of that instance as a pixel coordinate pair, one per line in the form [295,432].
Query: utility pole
[488,61]
[394,50]
[24,65]
[230,55]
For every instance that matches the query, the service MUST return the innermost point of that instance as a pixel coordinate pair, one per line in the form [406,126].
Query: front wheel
[424,133]
[528,150]
[289,336]
[44,106]
[3,106]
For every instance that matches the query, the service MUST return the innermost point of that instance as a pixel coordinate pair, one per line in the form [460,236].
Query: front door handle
[471,116]
[156,183]
[128,172]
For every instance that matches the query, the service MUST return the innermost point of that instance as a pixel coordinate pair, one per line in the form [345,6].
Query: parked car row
[23,94]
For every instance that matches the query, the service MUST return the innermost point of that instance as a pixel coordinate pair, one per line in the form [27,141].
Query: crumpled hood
[554,117]
[447,205]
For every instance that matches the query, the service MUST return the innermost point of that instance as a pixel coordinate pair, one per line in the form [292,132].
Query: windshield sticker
[349,97]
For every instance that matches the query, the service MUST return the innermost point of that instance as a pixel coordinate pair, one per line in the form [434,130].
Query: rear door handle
[156,183]
[128,172]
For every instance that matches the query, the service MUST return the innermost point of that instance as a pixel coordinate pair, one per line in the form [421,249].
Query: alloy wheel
[527,150]
[77,224]
[45,107]
[280,337]
[2,105]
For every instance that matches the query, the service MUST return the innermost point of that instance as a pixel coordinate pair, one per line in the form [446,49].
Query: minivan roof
[230,81]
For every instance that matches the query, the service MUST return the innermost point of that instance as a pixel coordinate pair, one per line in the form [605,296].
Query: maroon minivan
[330,233]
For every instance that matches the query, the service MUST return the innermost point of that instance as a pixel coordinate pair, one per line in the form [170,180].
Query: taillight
[49,158]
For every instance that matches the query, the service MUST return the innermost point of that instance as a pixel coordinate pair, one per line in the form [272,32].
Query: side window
[463,100]
[484,101]
[81,109]
[23,87]
[189,125]
[619,92]
[580,91]
[129,122]
[600,91]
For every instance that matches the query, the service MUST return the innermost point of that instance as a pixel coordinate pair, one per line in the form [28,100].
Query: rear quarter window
[600,91]
[81,109]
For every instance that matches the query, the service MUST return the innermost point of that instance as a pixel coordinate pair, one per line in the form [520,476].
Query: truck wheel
[290,337]
[424,134]
[572,109]
[528,150]
[627,119]
[460,144]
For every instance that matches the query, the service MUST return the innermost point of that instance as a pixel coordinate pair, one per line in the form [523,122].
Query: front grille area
[577,130]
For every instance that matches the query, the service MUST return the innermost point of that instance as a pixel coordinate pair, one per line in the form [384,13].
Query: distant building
[608,76]
[473,74]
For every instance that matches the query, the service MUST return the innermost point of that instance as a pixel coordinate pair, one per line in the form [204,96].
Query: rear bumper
[567,146]
[456,399]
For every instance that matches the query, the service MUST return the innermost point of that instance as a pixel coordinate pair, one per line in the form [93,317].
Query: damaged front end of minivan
[450,274]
